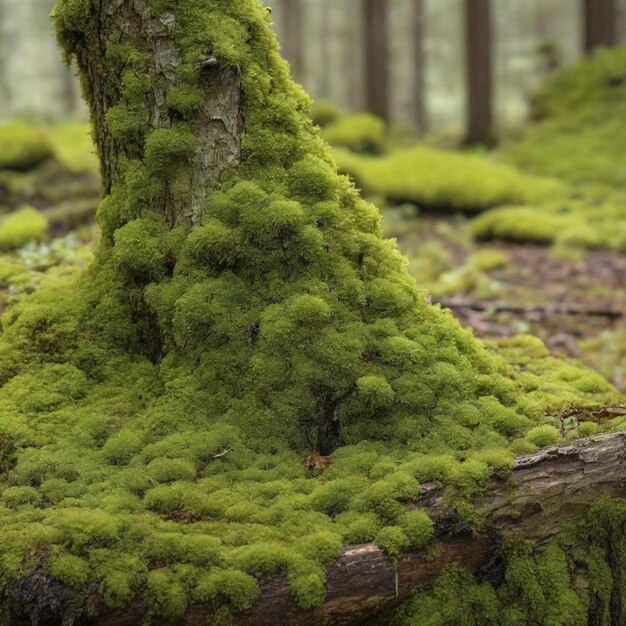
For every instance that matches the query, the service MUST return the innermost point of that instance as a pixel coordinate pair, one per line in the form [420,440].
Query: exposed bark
[419,66]
[600,23]
[291,39]
[376,45]
[220,118]
[543,494]
[479,71]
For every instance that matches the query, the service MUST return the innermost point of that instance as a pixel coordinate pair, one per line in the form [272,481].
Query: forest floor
[575,305]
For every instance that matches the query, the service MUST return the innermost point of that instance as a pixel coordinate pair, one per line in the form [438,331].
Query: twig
[565,308]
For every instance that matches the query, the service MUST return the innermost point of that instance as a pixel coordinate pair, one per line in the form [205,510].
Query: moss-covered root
[575,581]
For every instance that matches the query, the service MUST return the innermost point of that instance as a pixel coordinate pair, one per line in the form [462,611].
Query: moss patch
[440,180]
[22,146]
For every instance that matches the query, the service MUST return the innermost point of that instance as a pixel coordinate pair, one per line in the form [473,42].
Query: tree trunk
[4,78]
[479,71]
[419,69]
[324,45]
[600,24]
[545,493]
[291,40]
[376,68]
[219,119]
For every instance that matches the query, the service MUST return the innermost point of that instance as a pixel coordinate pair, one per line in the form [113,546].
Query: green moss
[544,435]
[232,586]
[70,569]
[439,180]
[580,128]
[21,227]
[417,526]
[393,540]
[22,146]
[73,147]
[361,133]
[324,112]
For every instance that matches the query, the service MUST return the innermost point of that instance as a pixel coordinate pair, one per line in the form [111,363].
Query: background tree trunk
[376,44]
[419,69]
[600,24]
[479,71]
[291,38]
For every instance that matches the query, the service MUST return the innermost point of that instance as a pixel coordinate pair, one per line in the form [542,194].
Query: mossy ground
[48,167]
[156,409]
[559,182]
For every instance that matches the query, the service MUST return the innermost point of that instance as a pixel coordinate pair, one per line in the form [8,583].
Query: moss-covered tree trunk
[129,63]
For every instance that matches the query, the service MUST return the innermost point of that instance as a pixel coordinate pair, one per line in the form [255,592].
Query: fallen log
[544,493]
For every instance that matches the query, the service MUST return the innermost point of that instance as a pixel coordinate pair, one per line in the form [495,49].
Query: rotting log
[544,493]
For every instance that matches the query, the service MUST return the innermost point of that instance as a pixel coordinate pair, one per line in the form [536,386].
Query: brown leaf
[316,461]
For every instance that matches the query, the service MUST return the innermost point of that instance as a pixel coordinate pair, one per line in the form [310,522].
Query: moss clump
[576,136]
[22,146]
[439,180]
[579,130]
[53,168]
[324,113]
[570,224]
[21,227]
[361,133]
[73,147]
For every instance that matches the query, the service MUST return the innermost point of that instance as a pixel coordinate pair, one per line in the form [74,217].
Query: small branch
[544,310]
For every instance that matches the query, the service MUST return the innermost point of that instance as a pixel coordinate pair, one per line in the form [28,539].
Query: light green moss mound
[324,113]
[49,166]
[581,131]
[361,133]
[73,147]
[155,413]
[22,146]
[576,224]
[21,227]
[441,180]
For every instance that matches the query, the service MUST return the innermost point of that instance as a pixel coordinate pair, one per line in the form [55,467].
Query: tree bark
[419,66]
[600,24]
[543,494]
[479,71]
[376,45]
[219,120]
[291,40]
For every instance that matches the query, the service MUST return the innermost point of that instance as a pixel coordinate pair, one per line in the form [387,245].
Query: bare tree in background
[479,71]
[600,23]
[291,38]
[376,57]
[4,83]
[419,69]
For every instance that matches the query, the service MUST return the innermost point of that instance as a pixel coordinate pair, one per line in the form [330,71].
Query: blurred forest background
[423,50]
